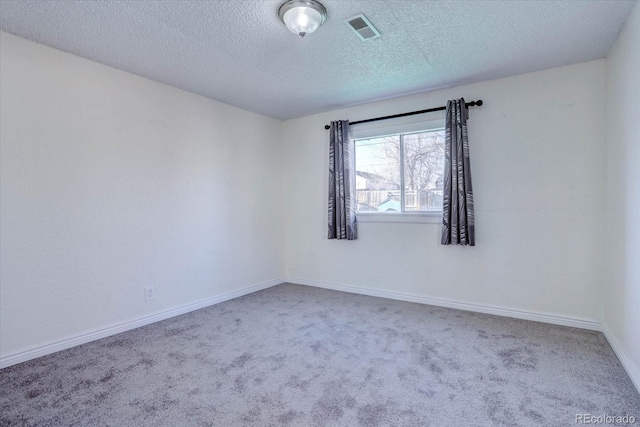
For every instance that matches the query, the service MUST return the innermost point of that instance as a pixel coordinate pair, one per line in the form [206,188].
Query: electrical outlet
[149,293]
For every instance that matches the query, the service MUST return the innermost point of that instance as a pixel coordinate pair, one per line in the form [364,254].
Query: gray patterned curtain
[342,201]
[458,227]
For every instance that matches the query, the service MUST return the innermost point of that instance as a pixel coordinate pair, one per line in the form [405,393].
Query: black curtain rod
[411,113]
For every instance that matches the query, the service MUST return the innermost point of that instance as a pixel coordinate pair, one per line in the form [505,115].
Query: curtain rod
[411,113]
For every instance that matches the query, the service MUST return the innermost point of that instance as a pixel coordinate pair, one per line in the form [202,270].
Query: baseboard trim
[478,308]
[40,351]
[97,334]
[632,370]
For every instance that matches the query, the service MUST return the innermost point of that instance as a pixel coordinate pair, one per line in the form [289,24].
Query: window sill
[412,218]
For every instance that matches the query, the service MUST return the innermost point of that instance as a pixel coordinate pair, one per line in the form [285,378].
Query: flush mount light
[302,17]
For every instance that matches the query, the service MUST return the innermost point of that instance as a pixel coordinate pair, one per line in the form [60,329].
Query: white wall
[111,182]
[622,284]
[537,158]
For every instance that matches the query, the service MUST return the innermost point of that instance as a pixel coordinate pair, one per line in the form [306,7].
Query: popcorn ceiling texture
[239,52]
[301,356]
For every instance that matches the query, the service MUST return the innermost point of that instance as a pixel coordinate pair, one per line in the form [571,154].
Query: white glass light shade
[302,17]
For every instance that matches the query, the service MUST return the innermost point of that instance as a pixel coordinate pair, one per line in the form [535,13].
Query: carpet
[302,356]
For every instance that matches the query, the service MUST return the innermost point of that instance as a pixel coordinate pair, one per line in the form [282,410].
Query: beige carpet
[295,355]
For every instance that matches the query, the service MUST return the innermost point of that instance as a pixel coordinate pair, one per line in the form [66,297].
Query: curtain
[342,201]
[458,226]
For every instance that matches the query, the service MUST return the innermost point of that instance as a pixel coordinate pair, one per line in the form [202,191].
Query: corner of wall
[621,289]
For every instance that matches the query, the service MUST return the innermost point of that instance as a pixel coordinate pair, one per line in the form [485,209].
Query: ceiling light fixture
[302,17]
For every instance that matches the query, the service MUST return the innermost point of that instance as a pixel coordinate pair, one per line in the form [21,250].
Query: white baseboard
[97,334]
[498,311]
[632,369]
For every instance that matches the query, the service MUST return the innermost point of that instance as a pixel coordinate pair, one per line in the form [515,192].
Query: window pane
[423,169]
[378,174]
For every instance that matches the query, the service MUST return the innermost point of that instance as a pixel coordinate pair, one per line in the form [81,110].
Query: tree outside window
[400,173]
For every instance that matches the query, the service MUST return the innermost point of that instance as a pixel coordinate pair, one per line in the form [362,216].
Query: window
[400,173]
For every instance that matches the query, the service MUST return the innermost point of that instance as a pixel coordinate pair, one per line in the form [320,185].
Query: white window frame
[405,125]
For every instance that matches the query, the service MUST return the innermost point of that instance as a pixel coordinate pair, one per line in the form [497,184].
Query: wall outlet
[149,293]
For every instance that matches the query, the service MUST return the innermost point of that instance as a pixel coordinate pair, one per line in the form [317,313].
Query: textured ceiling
[238,51]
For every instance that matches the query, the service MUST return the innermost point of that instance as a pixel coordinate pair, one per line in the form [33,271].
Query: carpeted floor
[295,355]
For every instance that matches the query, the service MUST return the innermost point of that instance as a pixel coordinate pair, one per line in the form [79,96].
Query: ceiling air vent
[362,27]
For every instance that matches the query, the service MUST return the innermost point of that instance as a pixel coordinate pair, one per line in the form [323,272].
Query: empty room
[319,213]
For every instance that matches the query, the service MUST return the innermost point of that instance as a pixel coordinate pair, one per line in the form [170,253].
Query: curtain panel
[342,198]
[458,224]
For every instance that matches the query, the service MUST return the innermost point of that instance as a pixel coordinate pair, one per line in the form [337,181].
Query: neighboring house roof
[369,175]
[390,205]
[376,182]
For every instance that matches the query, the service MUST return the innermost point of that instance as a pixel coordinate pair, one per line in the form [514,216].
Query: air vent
[362,27]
